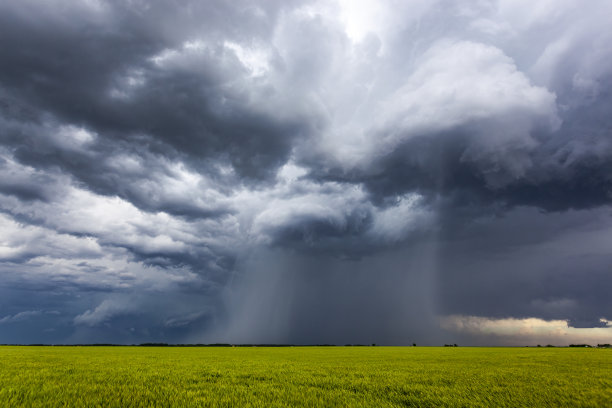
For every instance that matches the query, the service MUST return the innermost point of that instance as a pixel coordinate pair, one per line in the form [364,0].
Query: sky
[306,172]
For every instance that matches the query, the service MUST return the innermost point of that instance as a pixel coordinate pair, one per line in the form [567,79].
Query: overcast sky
[390,172]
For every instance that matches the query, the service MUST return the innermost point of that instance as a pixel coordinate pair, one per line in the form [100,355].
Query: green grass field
[304,376]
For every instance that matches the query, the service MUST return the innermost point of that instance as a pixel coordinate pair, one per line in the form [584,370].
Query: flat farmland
[41,376]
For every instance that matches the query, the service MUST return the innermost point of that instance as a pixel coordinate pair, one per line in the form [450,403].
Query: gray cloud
[301,171]
[20,316]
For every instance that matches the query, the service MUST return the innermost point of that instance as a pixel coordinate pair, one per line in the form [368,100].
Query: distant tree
[413,344]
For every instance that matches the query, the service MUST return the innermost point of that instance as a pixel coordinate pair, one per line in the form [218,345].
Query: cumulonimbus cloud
[147,149]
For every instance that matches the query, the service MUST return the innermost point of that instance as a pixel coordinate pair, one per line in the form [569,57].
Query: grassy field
[304,376]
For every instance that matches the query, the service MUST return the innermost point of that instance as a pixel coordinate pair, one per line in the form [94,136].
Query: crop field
[304,376]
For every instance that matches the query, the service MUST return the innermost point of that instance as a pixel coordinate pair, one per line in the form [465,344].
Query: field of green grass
[304,376]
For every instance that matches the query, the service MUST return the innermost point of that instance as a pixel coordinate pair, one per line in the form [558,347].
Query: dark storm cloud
[304,299]
[175,172]
[555,169]
[559,270]
[481,118]
[96,67]
[437,169]
[311,228]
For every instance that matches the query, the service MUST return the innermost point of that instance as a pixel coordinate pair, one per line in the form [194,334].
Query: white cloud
[72,138]
[255,59]
[330,203]
[396,222]
[525,14]
[456,84]
[384,19]
[527,331]
[28,241]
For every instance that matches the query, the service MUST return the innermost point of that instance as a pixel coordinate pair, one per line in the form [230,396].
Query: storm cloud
[305,171]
